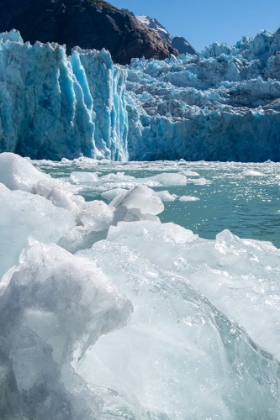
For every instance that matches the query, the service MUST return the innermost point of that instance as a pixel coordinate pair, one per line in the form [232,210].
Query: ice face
[53,106]
[222,104]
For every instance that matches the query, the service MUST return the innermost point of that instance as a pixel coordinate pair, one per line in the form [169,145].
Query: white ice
[54,307]
[147,321]
[188,198]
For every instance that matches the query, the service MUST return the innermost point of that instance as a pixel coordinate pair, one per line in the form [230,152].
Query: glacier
[138,319]
[54,106]
[221,104]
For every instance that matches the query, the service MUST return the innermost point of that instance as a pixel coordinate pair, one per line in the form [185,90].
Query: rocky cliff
[178,42]
[90,24]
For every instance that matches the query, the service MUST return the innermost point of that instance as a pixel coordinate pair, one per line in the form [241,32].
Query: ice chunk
[97,215]
[93,221]
[188,198]
[139,197]
[18,173]
[23,214]
[238,275]
[83,177]
[159,243]
[190,173]
[53,308]
[199,181]
[111,194]
[165,196]
[138,203]
[251,172]
[166,179]
[240,278]
[62,197]
[177,344]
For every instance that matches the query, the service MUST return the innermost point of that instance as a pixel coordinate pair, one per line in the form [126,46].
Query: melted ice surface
[109,313]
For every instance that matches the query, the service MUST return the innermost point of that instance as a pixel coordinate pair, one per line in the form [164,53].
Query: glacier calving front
[223,104]
[54,106]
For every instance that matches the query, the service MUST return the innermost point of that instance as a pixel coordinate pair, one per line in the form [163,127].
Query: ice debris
[149,322]
[177,344]
[188,198]
[53,307]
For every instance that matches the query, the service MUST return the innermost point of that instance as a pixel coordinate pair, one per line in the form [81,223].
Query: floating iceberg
[222,104]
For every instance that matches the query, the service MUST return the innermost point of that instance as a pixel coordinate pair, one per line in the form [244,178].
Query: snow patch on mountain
[180,43]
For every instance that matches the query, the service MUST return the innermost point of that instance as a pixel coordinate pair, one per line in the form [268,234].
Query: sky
[203,22]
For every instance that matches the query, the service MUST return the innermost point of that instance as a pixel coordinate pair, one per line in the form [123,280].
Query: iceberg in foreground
[141,320]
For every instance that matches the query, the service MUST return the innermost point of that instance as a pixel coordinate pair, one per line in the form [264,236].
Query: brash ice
[107,313]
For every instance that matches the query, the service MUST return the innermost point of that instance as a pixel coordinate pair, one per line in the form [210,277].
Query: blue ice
[222,104]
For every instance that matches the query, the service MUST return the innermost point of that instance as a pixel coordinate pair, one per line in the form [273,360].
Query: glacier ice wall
[54,106]
[222,104]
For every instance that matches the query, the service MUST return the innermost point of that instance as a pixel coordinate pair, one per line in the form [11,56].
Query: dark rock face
[182,45]
[90,24]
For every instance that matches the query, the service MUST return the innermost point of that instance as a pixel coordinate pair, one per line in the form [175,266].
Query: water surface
[243,198]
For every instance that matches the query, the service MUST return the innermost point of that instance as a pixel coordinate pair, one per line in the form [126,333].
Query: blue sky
[202,22]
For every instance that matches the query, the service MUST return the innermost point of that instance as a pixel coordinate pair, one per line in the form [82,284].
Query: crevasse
[222,104]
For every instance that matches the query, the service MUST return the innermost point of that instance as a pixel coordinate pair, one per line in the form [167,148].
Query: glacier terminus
[221,104]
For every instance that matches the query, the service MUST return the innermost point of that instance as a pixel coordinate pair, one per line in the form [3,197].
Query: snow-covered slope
[178,42]
[223,104]
[156,26]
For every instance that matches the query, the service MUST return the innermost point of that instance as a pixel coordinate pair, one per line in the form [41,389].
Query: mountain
[182,45]
[90,24]
[178,42]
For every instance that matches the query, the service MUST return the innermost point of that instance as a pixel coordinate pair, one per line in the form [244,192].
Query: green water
[243,198]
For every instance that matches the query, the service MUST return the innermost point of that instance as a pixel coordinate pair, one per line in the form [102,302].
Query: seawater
[241,197]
